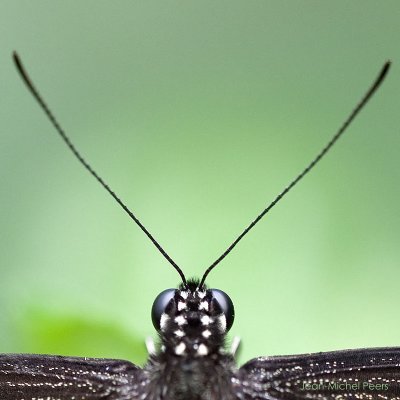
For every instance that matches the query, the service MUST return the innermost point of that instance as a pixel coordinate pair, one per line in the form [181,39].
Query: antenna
[307,169]
[25,77]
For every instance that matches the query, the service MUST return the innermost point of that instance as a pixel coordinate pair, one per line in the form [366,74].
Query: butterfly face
[192,321]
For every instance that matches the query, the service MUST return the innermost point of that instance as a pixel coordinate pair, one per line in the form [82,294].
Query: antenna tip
[17,61]
[385,69]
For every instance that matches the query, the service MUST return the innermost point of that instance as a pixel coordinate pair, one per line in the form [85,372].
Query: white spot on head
[163,321]
[180,320]
[184,295]
[203,305]
[180,349]
[235,345]
[150,346]
[202,350]
[179,333]
[222,322]
[206,333]
[201,295]
[205,320]
[181,305]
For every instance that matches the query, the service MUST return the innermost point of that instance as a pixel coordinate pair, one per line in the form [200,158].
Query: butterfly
[192,361]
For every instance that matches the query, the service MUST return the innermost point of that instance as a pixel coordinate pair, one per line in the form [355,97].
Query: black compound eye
[160,304]
[226,305]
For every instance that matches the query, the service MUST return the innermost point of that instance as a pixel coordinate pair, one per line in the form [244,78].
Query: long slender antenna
[307,169]
[25,77]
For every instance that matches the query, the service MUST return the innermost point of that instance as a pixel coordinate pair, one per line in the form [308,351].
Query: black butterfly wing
[34,377]
[348,374]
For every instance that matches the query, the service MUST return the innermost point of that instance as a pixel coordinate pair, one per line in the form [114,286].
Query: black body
[193,364]
[33,377]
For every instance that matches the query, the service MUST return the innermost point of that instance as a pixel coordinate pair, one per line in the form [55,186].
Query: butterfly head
[192,320]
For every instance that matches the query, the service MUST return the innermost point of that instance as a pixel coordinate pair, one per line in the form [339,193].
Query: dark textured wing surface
[348,374]
[34,377]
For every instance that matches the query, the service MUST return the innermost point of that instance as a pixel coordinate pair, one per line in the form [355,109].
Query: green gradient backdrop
[198,114]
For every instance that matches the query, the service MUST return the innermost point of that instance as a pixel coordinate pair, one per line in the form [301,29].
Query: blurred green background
[198,113]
